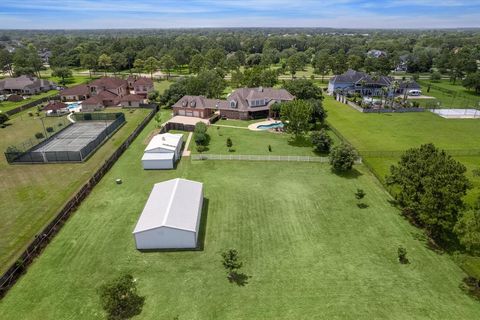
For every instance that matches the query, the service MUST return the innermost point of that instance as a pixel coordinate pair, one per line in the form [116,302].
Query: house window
[233,104]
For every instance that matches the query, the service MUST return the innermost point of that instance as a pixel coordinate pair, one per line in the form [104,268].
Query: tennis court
[457,113]
[75,137]
[75,143]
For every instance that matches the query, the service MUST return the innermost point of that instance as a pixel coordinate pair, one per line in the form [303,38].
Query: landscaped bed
[307,247]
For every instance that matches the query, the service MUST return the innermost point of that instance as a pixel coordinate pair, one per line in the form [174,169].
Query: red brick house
[197,106]
[244,104]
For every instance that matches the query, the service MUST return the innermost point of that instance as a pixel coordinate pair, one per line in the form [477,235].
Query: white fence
[260,158]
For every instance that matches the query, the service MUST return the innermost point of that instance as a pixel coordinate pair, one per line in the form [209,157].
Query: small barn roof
[158,156]
[174,203]
[167,141]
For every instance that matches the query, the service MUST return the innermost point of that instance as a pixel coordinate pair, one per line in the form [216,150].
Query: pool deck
[254,126]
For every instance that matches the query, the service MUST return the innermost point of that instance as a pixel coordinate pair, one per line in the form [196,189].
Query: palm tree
[384,95]
[395,86]
[363,83]
[406,83]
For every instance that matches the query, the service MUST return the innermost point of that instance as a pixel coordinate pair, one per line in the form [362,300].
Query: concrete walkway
[186,152]
[69,117]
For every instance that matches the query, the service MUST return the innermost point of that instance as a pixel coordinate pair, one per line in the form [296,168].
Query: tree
[256,77]
[232,63]
[119,61]
[343,157]
[296,116]
[303,89]
[88,61]
[435,76]
[196,63]
[6,61]
[294,63]
[231,262]
[360,194]
[167,62]
[467,228]
[321,141]
[229,144]
[321,63]
[200,134]
[120,299]
[431,184]
[151,65]
[472,81]
[139,65]
[3,118]
[214,58]
[104,61]
[319,114]
[402,255]
[62,73]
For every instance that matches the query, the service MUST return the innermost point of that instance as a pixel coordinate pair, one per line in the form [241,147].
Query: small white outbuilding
[171,216]
[163,151]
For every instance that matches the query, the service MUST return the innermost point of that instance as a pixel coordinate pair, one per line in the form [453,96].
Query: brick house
[244,104]
[197,106]
[25,85]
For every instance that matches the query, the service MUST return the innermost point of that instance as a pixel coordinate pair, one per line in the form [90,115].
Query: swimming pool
[270,126]
[73,105]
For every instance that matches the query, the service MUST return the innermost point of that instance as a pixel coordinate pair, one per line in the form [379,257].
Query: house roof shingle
[81,89]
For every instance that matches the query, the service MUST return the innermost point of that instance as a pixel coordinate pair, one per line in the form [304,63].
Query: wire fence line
[242,157]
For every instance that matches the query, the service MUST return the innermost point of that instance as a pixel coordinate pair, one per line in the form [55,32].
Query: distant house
[250,103]
[109,91]
[376,53]
[140,86]
[163,151]
[171,216]
[244,103]
[402,63]
[197,106]
[75,93]
[55,107]
[131,101]
[352,82]
[25,85]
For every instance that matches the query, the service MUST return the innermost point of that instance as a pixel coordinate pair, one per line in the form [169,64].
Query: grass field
[32,194]
[161,86]
[461,98]
[308,248]
[247,142]
[8,105]
[379,134]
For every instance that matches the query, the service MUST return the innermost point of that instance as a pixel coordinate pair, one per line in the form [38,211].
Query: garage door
[181,112]
[196,114]
[189,114]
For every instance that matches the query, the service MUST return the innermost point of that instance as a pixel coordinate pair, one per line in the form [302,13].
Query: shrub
[200,134]
[321,141]
[49,129]
[39,135]
[229,144]
[3,118]
[30,113]
[201,148]
[435,76]
[120,299]
[269,148]
[402,255]
[360,194]
[343,157]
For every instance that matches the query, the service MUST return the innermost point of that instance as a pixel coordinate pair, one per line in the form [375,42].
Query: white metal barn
[171,216]
[163,151]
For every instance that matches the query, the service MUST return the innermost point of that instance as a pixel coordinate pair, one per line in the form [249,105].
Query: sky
[100,14]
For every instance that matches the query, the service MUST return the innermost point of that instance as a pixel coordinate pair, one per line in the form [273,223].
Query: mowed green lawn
[31,195]
[310,251]
[248,142]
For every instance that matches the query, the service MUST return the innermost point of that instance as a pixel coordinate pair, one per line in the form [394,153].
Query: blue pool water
[73,105]
[270,126]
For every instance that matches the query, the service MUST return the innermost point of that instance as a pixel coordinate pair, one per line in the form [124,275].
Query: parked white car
[414,92]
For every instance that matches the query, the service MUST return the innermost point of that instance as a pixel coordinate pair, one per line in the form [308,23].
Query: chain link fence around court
[74,143]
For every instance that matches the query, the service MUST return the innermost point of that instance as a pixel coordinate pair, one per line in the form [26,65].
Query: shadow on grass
[201,234]
[300,141]
[352,174]
[239,278]
[362,205]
